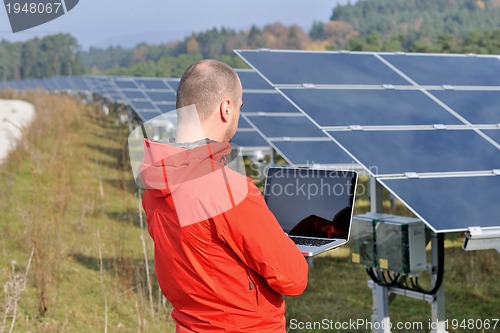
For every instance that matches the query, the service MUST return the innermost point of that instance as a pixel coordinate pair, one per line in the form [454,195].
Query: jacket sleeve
[254,234]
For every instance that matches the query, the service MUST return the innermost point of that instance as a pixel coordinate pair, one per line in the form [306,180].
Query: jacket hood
[167,165]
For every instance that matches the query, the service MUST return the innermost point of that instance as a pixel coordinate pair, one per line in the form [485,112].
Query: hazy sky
[127,22]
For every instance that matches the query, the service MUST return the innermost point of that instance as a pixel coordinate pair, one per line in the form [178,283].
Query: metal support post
[376,200]
[438,317]
[380,318]
[310,261]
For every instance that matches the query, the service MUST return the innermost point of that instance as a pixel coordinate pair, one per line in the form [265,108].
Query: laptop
[313,206]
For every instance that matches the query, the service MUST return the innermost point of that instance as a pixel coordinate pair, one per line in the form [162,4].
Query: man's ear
[225,109]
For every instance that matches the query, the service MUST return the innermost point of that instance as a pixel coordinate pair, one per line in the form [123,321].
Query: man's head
[215,89]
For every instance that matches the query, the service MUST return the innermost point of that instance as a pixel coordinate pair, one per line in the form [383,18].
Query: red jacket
[221,258]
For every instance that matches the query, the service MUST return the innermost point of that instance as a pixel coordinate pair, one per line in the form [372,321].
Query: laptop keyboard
[310,241]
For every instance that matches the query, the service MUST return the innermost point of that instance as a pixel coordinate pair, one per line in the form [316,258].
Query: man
[221,258]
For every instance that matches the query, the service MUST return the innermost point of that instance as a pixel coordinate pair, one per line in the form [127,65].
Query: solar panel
[161,96]
[134,94]
[312,152]
[286,126]
[420,151]
[126,84]
[174,83]
[266,102]
[494,134]
[297,68]
[250,80]
[477,107]
[453,203]
[165,107]
[455,70]
[115,97]
[142,105]
[147,115]
[151,84]
[60,82]
[334,107]
[249,139]
[242,123]
[80,83]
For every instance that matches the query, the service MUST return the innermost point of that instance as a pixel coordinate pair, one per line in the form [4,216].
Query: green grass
[338,291]
[52,203]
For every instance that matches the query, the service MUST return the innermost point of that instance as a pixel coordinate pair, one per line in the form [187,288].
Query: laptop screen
[311,202]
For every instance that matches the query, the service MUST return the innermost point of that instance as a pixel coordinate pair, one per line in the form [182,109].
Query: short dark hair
[204,84]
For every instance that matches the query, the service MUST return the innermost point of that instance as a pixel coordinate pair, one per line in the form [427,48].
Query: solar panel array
[261,123]
[427,126]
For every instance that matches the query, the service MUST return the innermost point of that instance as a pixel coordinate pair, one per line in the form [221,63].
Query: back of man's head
[204,84]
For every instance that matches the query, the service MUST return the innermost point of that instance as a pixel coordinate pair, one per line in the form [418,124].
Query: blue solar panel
[478,107]
[242,123]
[266,102]
[81,83]
[249,139]
[174,84]
[126,84]
[330,107]
[448,70]
[280,127]
[142,105]
[151,84]
[60,82]
[161,96]
[134,94]
[312,152]
[494,134]
[451,204]
[251,80]
[147,115]
[396,152]
[114,96]
[165,107]
[282,67]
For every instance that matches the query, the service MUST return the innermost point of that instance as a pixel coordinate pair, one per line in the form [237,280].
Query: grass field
[69,200]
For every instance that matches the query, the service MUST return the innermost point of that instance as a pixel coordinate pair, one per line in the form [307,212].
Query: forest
[436,26]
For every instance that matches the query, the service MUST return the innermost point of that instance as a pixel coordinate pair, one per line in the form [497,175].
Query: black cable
[440,267]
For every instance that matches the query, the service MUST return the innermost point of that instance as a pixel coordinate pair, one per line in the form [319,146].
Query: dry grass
[68,181]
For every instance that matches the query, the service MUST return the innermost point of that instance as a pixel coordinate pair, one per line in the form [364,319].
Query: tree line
[440,26]
[49,56]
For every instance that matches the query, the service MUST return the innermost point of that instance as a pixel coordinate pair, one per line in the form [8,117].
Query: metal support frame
[437,305]
[380,317]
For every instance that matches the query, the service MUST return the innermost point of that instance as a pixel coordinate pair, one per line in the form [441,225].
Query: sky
[100,23]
